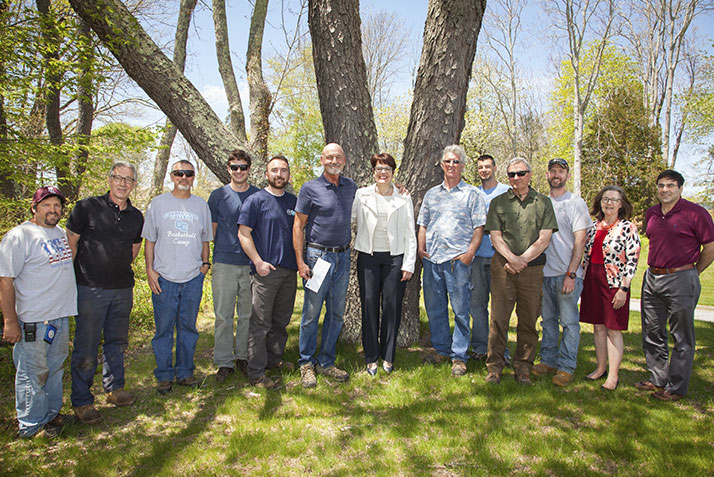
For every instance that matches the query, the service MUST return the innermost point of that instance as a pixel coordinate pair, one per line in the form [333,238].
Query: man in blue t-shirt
[265,232]
[481,266]
[322,232]
[231,269]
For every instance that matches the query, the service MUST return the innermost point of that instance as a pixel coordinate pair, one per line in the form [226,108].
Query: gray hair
[455,149]
[123,164]
[518,160]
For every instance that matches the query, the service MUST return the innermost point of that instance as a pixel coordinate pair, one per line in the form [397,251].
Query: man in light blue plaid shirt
[451,221]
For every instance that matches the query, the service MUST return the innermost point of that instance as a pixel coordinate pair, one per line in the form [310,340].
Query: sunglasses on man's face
[235,167]
[517,173]
[182,173]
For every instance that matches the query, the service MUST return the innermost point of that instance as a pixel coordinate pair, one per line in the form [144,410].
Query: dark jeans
[99,312]
[379,276]
[273,302]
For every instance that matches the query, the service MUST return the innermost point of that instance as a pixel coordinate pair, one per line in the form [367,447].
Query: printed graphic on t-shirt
[57,251]
[182,219]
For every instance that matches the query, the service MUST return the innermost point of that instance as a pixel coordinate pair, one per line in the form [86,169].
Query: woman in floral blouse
[611,253]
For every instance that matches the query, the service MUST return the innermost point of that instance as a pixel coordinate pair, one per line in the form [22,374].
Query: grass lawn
[417,421]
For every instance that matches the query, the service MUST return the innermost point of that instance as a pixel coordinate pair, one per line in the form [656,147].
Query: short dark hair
[626,208]
[383,158]
[671,174]
[486,157]
[239,155]
[279,157]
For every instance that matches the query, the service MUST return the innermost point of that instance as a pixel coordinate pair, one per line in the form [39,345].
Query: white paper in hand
[319,272]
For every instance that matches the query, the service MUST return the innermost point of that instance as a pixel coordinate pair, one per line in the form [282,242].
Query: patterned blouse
[621,250]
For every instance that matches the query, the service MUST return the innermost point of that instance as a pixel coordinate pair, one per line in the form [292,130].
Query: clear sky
[538,60]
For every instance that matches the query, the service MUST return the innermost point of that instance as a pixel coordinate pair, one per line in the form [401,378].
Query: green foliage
[296,131]
[699,106]
[392,121]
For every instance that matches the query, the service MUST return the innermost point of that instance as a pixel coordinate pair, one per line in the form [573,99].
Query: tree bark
[167,138]
[50,51]
[346,107]
[85,98]
[260,97]
[437,114]
[225,67]
[161,79]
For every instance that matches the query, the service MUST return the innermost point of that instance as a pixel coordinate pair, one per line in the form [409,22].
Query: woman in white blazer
[387,246]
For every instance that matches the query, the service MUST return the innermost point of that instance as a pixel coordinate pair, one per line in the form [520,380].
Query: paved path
[702,313]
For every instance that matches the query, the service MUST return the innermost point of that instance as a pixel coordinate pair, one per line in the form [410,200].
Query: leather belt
[327,249]
[667,271]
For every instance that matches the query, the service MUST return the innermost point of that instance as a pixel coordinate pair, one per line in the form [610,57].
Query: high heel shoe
[608,389]
[372,371]
[387,367]
[602,376]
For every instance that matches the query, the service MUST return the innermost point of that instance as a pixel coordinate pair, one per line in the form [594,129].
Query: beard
[183,187]
[277,183]
[51,220]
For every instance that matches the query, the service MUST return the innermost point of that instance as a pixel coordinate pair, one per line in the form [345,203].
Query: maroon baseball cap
[47,191]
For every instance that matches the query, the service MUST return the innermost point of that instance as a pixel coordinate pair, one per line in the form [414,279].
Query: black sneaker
[242,366]
[223,374]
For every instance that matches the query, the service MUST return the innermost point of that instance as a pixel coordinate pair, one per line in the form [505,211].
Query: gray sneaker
[307,375]
[333,372]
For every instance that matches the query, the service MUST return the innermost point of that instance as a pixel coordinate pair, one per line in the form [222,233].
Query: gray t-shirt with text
[572,215]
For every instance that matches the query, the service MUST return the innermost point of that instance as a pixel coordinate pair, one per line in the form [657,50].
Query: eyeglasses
[668,185]
[242,167]
[379,170]
[611,200]
[182,173]
[517,173]
[455,162]
[120,179]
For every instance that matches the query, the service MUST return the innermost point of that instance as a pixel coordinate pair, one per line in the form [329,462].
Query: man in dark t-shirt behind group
[104,234]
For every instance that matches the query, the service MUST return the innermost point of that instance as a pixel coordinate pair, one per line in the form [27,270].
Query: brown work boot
[333,372]
[164,387]
[666,396]
[458,368]
[541,369]
[648,386]
[307,375]
[242,366]
[562,378]
[264,382]
[120,398]
[87,414]
[223,373]
[493,378]
[524,380]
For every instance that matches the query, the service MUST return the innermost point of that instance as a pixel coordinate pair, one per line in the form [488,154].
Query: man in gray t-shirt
[38,294]
[562,278]
[177,230]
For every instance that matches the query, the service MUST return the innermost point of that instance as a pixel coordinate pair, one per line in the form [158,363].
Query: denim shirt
[450,217]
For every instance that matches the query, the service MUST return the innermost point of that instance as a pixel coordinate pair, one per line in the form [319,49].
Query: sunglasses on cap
[183,172]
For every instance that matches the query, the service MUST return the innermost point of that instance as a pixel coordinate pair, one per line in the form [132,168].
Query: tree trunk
[437,114]
[85,95]
[225,67]
[167,138]
[260,97]
[161,79]
[7,184]
[345,105]
[50,51]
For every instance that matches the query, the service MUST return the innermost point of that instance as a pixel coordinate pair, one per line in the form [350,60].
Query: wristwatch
[572,275]
[206,263]
[625,289]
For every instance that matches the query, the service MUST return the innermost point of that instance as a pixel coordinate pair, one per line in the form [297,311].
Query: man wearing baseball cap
[38,295]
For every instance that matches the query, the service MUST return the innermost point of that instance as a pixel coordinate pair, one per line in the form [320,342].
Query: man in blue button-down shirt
[451,221]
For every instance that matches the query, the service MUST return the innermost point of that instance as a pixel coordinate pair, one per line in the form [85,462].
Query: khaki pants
[524,291]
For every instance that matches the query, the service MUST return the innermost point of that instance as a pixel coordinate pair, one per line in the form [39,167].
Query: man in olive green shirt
[520,223]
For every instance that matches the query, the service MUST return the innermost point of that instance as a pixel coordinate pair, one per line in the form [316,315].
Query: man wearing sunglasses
[520,223]
[104,233]
[177,231]
[451,220]
[231,269]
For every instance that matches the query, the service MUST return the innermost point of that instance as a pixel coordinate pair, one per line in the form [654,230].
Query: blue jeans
[107,311]
[480,291]
[332,293]
[560,310]
[176,307]
[446,281]
[38,380]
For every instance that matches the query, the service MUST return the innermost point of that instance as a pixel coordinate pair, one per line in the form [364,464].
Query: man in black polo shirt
[104,234]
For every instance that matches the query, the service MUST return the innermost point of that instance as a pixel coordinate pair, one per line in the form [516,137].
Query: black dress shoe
[608,389]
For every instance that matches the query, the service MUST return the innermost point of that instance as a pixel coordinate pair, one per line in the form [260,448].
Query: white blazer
[400,224]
